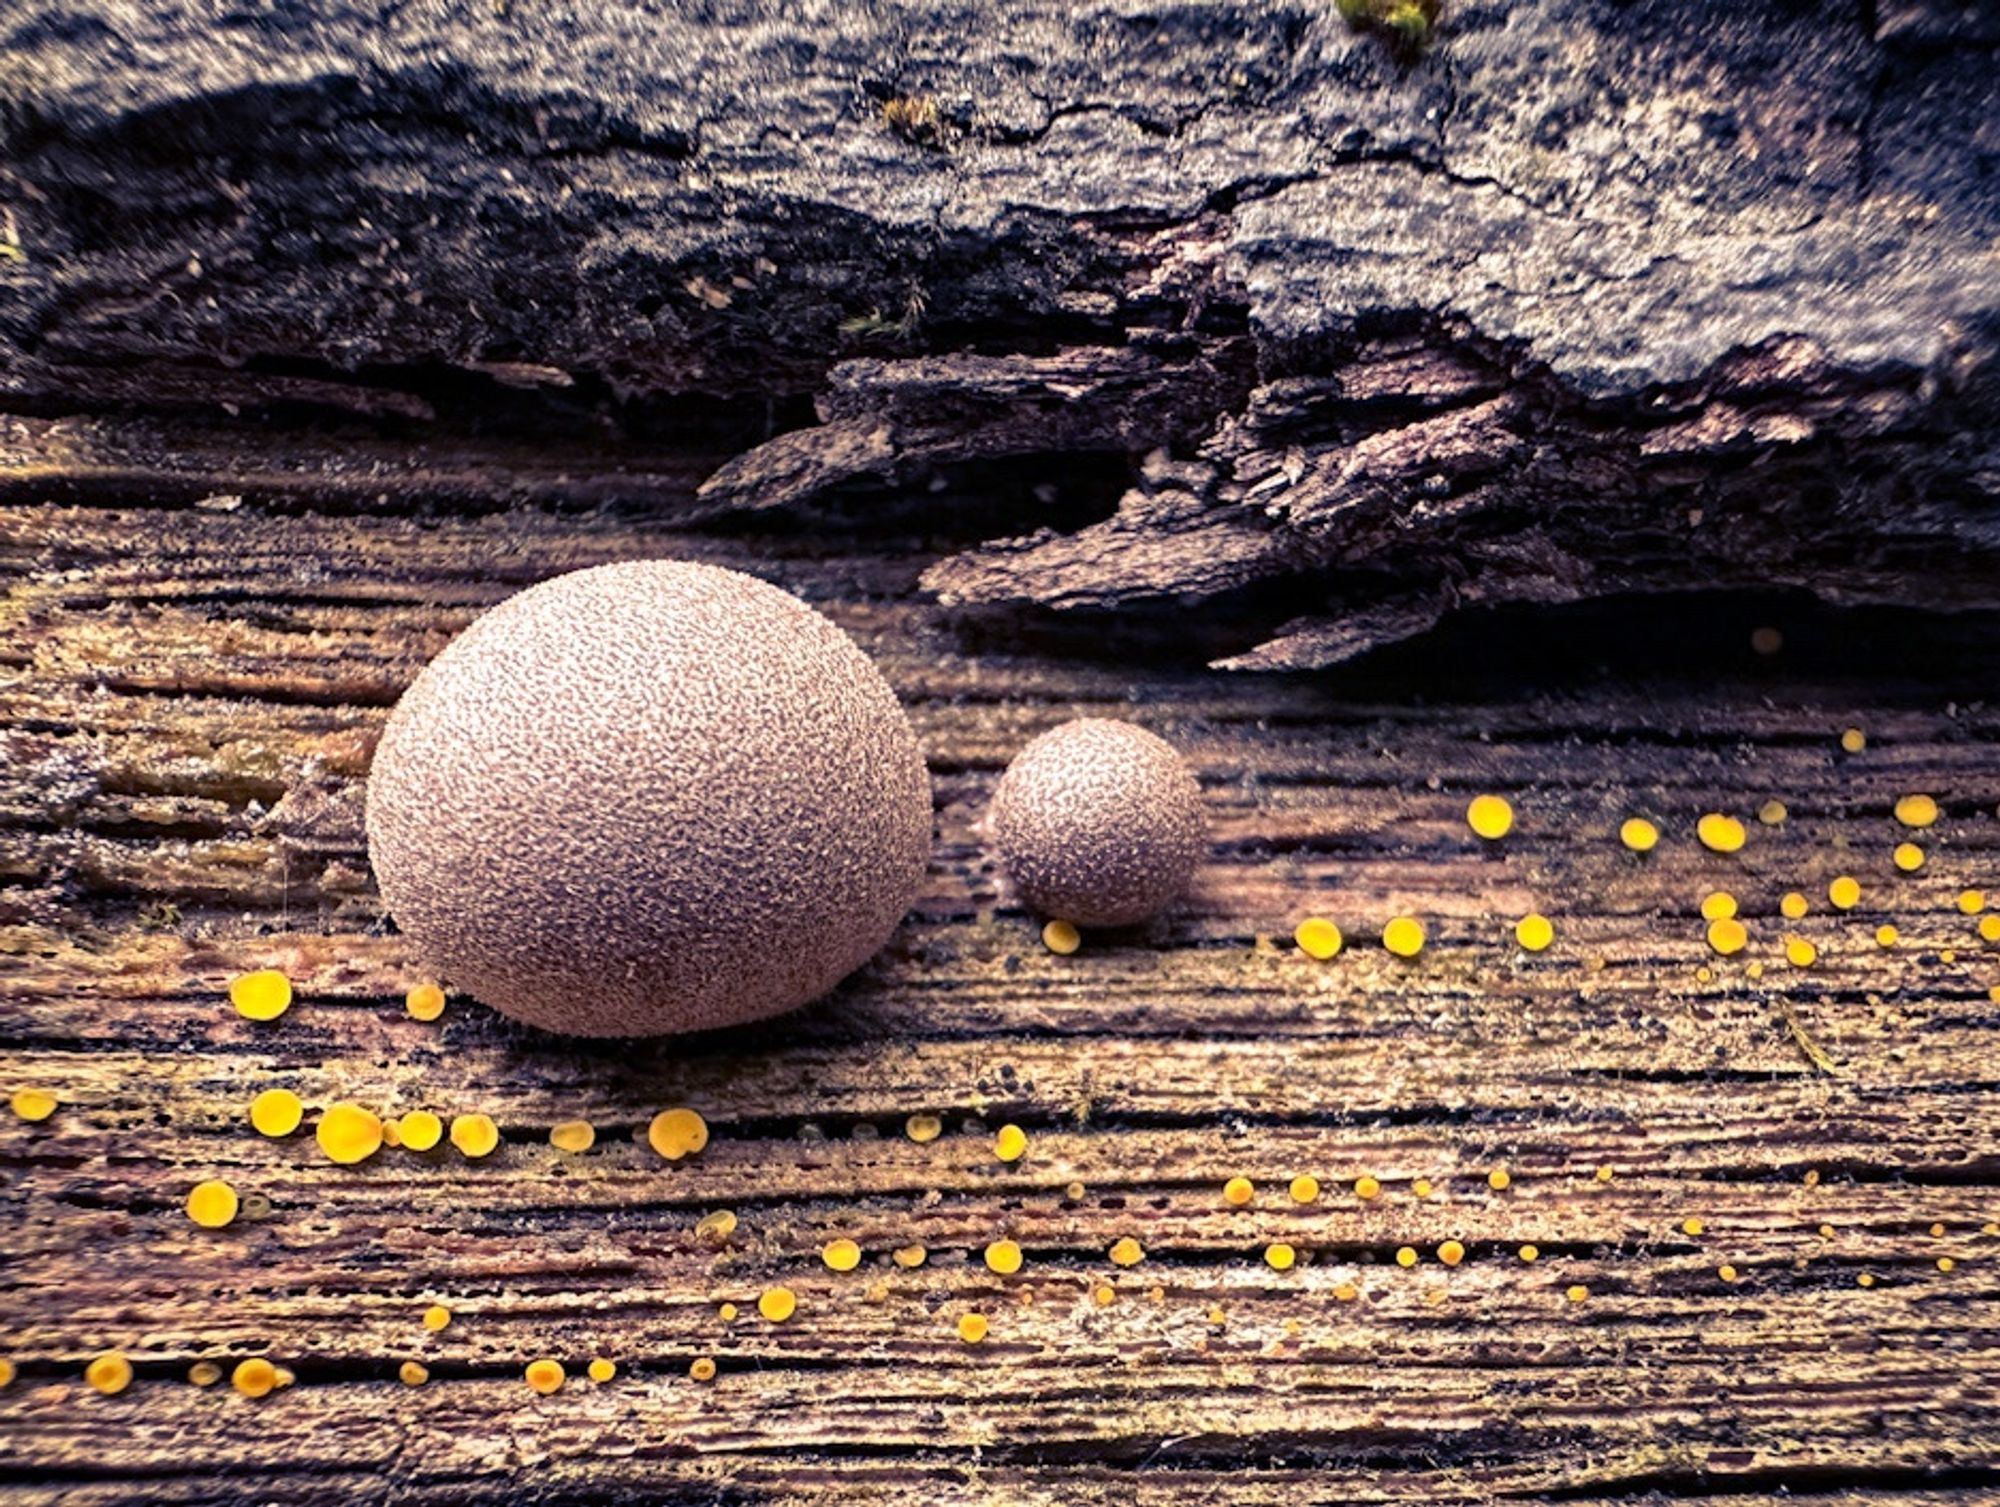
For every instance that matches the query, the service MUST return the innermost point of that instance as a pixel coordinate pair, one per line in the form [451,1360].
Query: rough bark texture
[1587,298]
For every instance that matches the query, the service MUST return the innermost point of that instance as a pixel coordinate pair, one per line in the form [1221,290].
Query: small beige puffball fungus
[1099,822]
[646,798]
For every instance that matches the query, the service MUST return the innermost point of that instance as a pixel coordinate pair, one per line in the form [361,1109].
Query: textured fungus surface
[1098,822]
[645,798]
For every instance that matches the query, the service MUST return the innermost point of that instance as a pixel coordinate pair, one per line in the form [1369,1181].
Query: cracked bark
[1589,300]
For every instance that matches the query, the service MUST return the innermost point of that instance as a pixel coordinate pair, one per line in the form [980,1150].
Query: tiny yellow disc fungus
[1916,811]
[212,1204]
[32,1104]
[922,1128]
[1421,1187]
[1605,1174]
[777,1304]
[1945,1264]
[1719,833]
[1406,1256]
[1499,1180]
[1989,928]
[1971,902]
[972,1327]
[1772,813]
[6,1372]
[1280,1257]
[475,1135]
[1727,1273]
[1318,937]
[1404,936]
[573,1136]
[436,1317]
[421,1130]
[425,1002]
[1886,936]
[1304,1189]
[1800,953]
[1239,1191]
[1490,816]
[1104,1294]
[1534,931]
[1794,906]
[1728,936]
[1061,938]
[1011,1144]
[727,1313]
[1853,740]
[909,1257]
[263,995]
[347,1133]
[676,1133]
[1346,1292]
[1692,1225]
[1127,1252]
[1578,1293]
[1367,1187]
[255,1377]
[546,1376]
[1719,906]
[1704,975]
[1908,857]
[840,1255]
[1864,1280]
[110,1373]
[413,1373]
[603,1369]
[392,1133]
[1004,1257]
[1451,1253]
[204,1373]
[1638,834]
[702,1368]
[1844,892]
[1530,1253]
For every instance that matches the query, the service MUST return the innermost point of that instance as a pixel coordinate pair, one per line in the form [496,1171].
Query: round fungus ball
[648,798]
[1098,822]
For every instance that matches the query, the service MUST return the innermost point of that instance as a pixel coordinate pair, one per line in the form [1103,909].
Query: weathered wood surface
[187,709]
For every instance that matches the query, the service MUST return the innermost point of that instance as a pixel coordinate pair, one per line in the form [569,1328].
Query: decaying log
[1584,298]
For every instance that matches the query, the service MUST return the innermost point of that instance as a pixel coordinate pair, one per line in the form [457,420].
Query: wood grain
[188,703]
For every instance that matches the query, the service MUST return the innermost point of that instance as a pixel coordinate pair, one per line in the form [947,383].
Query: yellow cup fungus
[413,1373]
[602,1369]
[32,1104]
[347,1133]
[1719,833]
[1908,857]
[1003,1257]
[1011,1143]
[1989,928]
[546,1376]
[676,1133]
[475,1135]
[1366,1187]
[1886,936]
[1728,935]
[1719,906]
[1061,937]
[1800,953]
[1638,834]
[1499,1179]
[1971,902]
[716,1226]
[1693,1225]
[276,1112]
[909,1257]
[923,1128]
[1916,811]
[421,1130]
[1844,893]
[1304,1189]
[1280,1257]
[1727,1273]
[777,1304]
[255,1377]
[204,1373]
[1406,1255]
[1239,1191]
[1853,740]
[1578,1293]
[972,1327]
[437,1317]
[1451,1252]
[263,995]
[1490,817]
[1126,1251]
[212,1204]
[1534,932]
[1100,822]
[1318,938]
[840,1255]
[702,1368]
[1793,906]
[1530,1253]
[1404,936]
[1773,813]
[425,1002]
[109,1373]
[573,1136]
